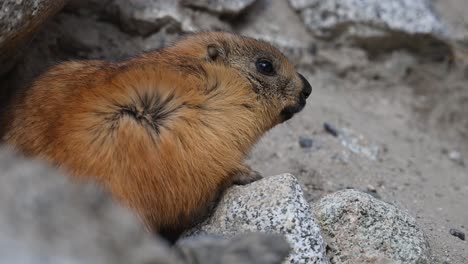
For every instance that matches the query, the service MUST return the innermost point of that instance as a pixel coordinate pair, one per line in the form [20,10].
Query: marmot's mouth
[289,111]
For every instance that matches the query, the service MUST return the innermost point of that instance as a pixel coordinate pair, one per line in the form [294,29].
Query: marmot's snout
[307,90]
[289,111]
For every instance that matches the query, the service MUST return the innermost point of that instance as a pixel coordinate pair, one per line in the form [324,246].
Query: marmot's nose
[307,89]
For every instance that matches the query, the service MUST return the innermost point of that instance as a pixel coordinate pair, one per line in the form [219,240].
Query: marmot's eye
[265,67]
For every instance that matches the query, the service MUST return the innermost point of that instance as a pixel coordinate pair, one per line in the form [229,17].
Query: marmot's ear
[215,52]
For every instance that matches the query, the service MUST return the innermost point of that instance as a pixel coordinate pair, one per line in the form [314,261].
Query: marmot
[167,131]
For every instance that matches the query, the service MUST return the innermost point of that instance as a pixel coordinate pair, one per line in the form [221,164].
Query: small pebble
[313,49]
[330,129]
[371,188]
[456,157]
[372,191]
[305,142]
[457,233]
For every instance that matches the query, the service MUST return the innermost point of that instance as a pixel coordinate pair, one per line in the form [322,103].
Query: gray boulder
[272,205]
[253,248]
[143,17]
[361,229]
[229,7]
[411,16]
[378,25]
[276,22]
[47,219]
[19,20]
[146,17]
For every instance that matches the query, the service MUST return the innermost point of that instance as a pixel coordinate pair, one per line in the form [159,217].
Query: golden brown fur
[165,132]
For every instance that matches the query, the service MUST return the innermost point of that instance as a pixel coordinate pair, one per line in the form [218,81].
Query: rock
[330,129]
[44,218]
[377,25]
[272,205]
[47,219]
[86,37]
[355,142]
[277,23]
[19,20]
[359,144]
[247,249]
[457,233]
[371,190]
[88,6]
[145,17]
[221,7]
[361,229]
[305,142]
[456,157]
[396,67]
[201,20]
[411,16]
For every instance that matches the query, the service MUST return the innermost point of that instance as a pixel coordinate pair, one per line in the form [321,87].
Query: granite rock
[359,228]
[226,7]
[411,16]
[272,205]
[19,20]
[146,17]
[277,23]
[379,26]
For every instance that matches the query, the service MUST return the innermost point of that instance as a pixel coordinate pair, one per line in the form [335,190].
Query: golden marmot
[164,132]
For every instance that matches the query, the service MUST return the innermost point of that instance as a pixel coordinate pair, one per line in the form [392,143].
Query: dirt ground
[413,114]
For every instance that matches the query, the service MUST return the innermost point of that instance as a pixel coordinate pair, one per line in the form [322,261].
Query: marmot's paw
[245,176]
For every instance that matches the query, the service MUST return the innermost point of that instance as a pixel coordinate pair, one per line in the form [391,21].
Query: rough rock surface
[276,22]
[254,248]
[19,19]
[379,26]
[272,205]
[146,17]
[46,219]
[411,16]
[361,229]
[143,17]
[229,7]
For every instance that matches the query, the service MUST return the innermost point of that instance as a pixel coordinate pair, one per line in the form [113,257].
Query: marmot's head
[270,74]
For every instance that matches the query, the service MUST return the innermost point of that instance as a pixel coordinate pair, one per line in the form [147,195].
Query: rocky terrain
[388,114]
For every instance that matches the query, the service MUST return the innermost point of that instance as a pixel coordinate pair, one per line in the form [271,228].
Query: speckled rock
[379,26]
[230,7]
[145,17]
[19,19]
[361,229]
[277,23]
[272,205]
[411,16]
